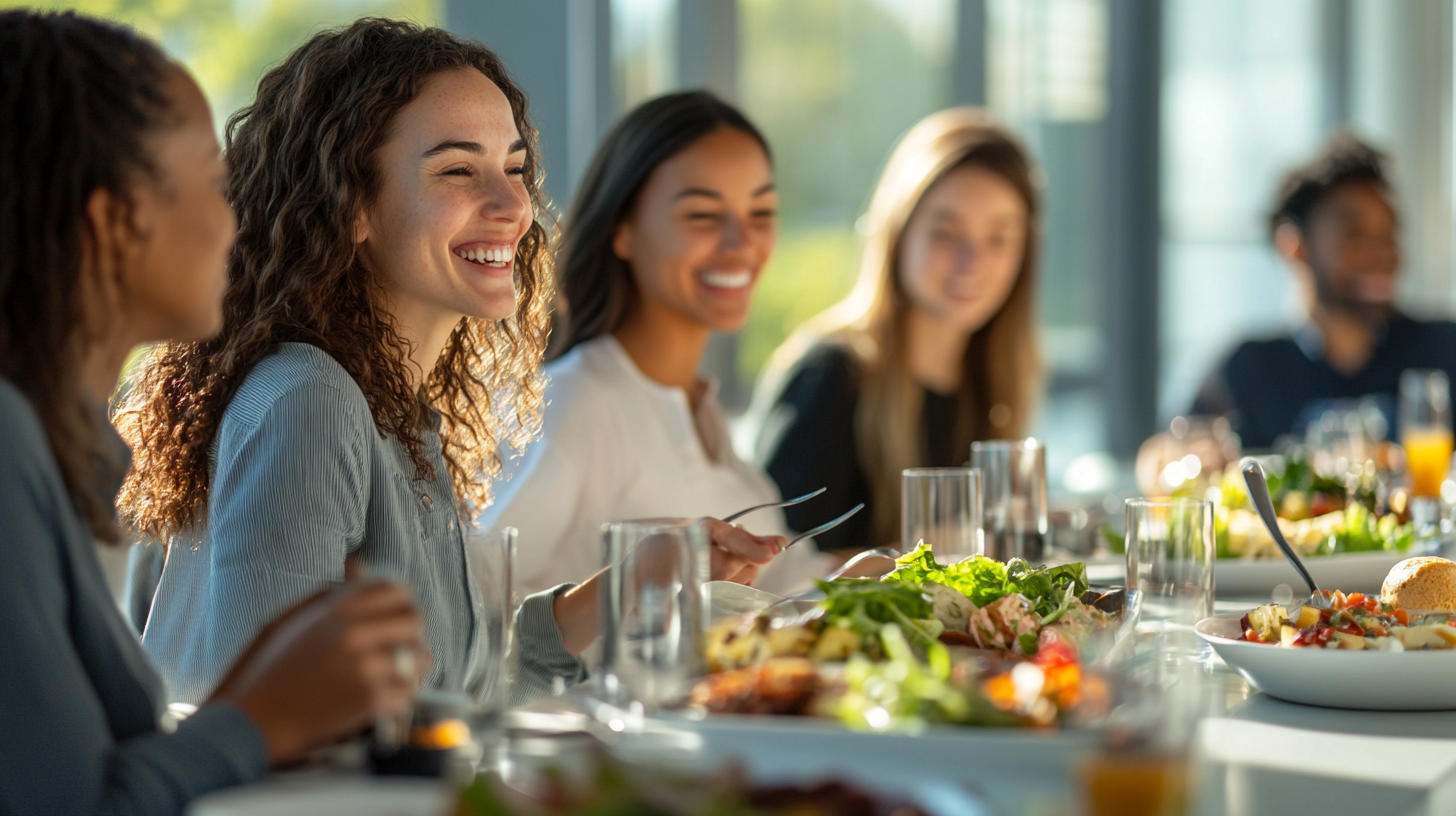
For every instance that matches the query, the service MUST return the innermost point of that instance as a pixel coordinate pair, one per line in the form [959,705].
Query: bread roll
[1424,583]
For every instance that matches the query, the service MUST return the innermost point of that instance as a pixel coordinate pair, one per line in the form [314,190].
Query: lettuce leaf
[866,606]
[983,580]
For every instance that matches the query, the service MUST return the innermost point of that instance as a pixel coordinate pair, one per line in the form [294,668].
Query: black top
[808,442]
[1275,387]
[79,701]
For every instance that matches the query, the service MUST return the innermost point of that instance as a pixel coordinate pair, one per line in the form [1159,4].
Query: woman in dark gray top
[382,338]
[113,232]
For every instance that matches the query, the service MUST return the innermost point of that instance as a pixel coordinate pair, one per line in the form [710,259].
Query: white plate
[1337,678]
[1012,767]
[726,599]
[329,796]
[1351,572]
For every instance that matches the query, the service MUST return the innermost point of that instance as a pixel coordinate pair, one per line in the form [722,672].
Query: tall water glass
[1171,551]
[1013,484]
[1425,429]
[942,507]
[492,560]
[652,613]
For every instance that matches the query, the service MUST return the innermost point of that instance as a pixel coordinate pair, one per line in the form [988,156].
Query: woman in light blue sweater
[113,232]
[382,337]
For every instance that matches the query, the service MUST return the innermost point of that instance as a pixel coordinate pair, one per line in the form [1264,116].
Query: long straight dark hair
[595,286]
[78,98]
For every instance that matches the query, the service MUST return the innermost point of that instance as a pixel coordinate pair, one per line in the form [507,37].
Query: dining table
[1246,754]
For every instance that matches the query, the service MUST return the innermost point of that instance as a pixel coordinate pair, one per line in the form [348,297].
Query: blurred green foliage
[228,44]
[811,270]
[833,84]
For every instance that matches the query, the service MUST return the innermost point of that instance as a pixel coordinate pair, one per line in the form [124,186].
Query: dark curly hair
[1344,160]
[78,98]
[303,167]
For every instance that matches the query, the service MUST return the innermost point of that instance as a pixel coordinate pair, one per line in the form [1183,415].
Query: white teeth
[487,256]
[728,280]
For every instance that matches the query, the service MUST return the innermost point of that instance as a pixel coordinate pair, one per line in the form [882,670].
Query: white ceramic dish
[1336,678]
[726,599]
[1008,766]
[1256,577]
[329,796]
[1351,572]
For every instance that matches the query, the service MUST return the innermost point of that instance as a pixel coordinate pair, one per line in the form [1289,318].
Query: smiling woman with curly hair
[382,335]
[371,358]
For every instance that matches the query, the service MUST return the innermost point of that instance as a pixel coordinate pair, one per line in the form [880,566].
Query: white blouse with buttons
[617,445]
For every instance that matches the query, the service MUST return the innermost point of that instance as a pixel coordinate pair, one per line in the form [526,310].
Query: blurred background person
[1336,228]
[934,348]
[669,232]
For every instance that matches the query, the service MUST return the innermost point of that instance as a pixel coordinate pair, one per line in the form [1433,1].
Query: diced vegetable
[1308,616]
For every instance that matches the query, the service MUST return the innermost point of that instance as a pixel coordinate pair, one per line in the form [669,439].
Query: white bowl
[1337,678]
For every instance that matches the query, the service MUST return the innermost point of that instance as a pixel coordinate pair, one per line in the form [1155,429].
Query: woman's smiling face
[452,203]
[963,247]
[702,229]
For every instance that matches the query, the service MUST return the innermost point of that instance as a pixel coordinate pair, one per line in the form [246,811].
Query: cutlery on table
[789,503]
[825,527]
[869,559]
[1259,492]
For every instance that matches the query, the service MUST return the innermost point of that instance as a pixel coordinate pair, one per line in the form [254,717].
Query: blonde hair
[1003,367]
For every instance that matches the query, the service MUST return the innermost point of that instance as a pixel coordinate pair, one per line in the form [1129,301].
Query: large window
[1241,103]
[228,44]
[1047,80]
[644,50]
[833,84]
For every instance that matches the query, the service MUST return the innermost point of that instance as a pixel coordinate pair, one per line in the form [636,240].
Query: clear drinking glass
[942,507]
[492,559]
[652,611]
[1425,429]
[1013,486]
[1171,551]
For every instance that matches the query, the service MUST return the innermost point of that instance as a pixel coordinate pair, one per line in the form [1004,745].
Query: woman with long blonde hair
[936,345]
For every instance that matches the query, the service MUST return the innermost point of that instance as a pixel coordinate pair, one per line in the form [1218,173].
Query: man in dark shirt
[1335,226]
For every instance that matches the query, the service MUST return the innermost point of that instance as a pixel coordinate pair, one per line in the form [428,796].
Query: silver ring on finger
[404,661]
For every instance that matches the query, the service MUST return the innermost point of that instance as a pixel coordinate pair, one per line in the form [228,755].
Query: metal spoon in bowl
[1259,492]
[790,503]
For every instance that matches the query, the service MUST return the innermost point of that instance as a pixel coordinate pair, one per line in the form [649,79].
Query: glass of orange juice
[1425,429]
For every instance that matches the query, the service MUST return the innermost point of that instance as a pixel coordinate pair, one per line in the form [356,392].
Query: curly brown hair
[303,168]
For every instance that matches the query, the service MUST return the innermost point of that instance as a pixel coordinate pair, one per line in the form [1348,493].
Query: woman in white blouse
[669,232]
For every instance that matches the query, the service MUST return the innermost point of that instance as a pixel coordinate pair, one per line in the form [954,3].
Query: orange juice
[1135,785]
[1428,456]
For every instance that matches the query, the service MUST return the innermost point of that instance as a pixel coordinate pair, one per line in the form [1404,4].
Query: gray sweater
[79,703]
[301,480]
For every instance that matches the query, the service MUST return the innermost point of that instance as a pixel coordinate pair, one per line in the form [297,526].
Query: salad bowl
[1336,678]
